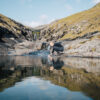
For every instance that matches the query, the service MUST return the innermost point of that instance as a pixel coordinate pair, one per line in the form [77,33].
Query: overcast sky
[38,12]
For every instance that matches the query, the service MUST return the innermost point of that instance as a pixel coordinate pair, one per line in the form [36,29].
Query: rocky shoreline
[71,48]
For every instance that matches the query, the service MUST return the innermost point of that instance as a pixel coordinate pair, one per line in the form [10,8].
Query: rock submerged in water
[29,48]
[40,53]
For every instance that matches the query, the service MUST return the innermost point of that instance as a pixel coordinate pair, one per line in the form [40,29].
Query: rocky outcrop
[10,29]
[12,33]
[83,48]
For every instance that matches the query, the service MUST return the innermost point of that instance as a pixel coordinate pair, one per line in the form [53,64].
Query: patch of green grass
[83,42]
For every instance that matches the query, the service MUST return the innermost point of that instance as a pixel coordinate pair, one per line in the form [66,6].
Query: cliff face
[85,24]
[12,31]
[12,34]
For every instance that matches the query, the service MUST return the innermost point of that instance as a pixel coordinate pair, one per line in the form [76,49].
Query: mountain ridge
[74,26]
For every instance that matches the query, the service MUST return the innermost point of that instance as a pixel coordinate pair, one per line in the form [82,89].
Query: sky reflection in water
[30,78]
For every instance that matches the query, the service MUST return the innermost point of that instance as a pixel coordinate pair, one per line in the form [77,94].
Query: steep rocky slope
[80,25]
[12,29]
[79,33]
[13,33]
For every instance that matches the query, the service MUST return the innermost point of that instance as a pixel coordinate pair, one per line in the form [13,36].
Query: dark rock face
[12,33]
[5,33]
[12,29]
[44,45]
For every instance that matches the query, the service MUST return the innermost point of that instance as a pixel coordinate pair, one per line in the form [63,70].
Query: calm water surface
[42,78]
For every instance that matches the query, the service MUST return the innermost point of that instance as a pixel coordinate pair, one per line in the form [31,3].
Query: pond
[46,78]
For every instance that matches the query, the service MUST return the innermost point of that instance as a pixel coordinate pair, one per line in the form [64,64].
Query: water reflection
[75,74]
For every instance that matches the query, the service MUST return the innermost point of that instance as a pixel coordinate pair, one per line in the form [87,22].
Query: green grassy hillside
[75,26]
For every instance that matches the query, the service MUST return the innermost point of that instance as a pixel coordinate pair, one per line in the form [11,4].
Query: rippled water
[43,78]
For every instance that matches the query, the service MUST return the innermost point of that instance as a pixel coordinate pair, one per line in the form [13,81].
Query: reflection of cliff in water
[74,78]
[90,65]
